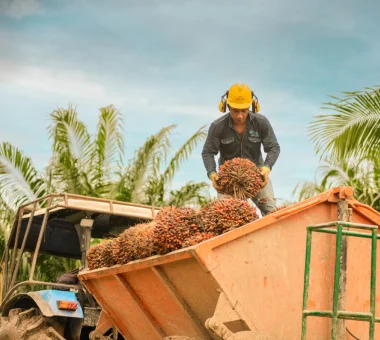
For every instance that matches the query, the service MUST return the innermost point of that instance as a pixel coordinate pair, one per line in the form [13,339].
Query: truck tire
[28,324]
[178,337]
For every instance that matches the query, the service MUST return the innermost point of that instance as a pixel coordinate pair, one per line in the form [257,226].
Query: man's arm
[210,150]
[271,146]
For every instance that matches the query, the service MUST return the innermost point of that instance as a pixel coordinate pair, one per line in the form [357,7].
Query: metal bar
[15,250]
[32,282]
[373,285]
[320,313]
[170,287]
[5,276]
[124,283]
[336,283]
[40,199]
[306,282]
[346,232]
[344,315]
[38,245]
[102,211]
[344,224]
[337,314]
[354,316]
[105,200]
[18,261]
[344,214]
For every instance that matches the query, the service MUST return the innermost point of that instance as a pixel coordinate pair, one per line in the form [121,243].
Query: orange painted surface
[260,268]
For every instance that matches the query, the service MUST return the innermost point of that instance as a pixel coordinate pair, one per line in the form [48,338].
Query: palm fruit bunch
[197,238]
[100,255]
[134,243]
[174,226]
[229,213]
[239,178]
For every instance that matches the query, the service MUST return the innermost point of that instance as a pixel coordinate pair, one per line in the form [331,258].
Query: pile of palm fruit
[176,228]
[100,255]
[134,243]
[227,214]
[173,229]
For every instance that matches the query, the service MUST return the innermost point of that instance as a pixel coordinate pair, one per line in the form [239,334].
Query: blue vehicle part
[47,302]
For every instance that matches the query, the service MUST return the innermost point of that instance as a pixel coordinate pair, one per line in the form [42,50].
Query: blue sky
[164,62]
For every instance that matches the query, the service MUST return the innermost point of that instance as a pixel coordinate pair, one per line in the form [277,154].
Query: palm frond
[153,192]
[353,129]
[147,160]
[191,194]
[362,175]
[72,150]
[183,154]
[69,134]
[109,146]
[19,180]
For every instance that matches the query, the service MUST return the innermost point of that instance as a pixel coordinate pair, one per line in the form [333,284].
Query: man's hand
[214,178]
[264,171]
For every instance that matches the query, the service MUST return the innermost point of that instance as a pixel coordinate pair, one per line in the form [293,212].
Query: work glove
[214,178]
[264,171]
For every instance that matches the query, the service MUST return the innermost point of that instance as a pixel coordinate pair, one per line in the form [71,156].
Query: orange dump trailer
[245,284]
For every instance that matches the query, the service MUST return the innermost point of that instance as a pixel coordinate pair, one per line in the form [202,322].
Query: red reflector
[69,305]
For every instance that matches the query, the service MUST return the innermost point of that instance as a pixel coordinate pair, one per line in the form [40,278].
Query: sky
[169,61]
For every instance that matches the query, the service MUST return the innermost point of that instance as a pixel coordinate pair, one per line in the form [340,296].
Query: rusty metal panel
[259,267]
[122,309]
[197,287]
[164,303]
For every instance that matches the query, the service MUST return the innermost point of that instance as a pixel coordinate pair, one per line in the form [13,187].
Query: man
[240,133]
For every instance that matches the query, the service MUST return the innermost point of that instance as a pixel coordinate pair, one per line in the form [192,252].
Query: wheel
[178,337]
[27,324]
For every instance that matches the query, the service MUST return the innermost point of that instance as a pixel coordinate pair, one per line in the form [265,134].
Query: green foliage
[194,193]
[349,139]
[353,127]
[362,175]
[19,180]
[147,178]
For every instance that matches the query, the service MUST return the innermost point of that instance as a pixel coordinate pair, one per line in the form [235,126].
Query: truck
[307,271]
[63,226]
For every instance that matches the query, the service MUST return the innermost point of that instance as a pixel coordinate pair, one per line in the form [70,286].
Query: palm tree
[144,182]
[349,140]
[353,129]
[95,166]
[363,176]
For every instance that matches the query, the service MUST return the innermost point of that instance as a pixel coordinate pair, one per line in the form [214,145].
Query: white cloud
[65,83]
[20,8]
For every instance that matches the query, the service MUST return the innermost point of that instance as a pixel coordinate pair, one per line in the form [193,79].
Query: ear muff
[223,103]
[255,103]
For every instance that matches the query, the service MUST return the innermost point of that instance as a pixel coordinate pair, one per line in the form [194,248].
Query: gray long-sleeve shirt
[224,139]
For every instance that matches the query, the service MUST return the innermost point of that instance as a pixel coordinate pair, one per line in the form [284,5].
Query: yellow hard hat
[239,96]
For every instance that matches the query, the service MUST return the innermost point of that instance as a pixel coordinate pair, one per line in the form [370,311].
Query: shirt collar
[231,124]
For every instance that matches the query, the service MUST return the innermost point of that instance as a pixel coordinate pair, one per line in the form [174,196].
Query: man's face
[239,115]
